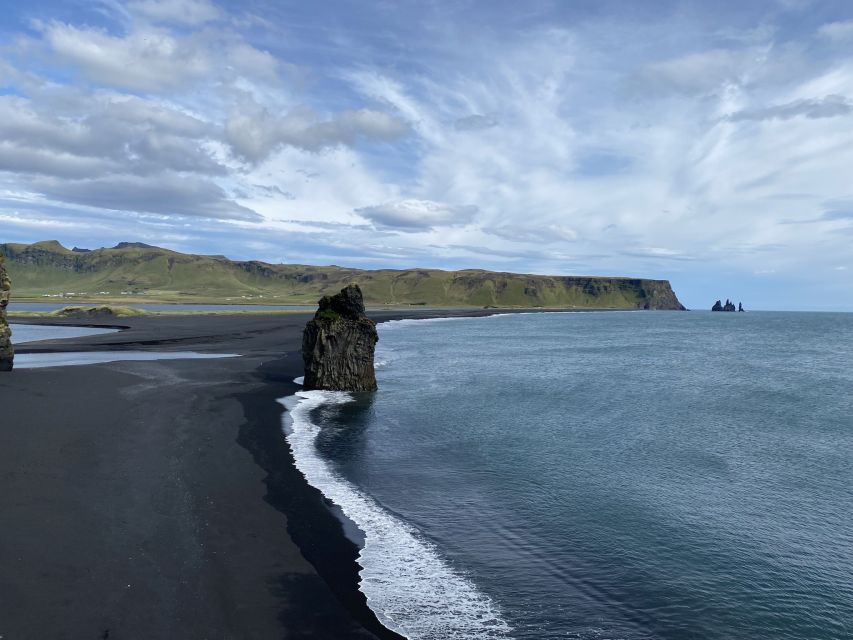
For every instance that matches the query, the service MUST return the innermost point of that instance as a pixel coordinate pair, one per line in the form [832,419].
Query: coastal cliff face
[7,352]
[339,343]
[659,295]
[156,274]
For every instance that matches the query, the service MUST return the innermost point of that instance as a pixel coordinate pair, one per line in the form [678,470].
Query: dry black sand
[159,499]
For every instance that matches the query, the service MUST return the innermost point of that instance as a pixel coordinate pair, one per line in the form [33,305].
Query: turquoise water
[605,475]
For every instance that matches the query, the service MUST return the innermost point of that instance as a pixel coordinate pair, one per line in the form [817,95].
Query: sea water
[23,333]
[79,358]
[599,475]
[47,307]
[27,333]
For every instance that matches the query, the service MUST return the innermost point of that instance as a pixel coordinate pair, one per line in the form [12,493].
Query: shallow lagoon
[41,360]
[47,307]
[29,333]
[24,333]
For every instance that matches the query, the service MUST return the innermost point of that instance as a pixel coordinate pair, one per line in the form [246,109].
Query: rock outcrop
[7,352]
[729,306]
[339,343]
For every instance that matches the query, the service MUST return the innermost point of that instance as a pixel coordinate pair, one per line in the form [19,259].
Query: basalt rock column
[7,352]
[339,343]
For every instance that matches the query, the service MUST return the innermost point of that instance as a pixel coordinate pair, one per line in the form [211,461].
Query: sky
[708,143]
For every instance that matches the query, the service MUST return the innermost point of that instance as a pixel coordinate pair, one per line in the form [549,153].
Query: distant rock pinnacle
[729,306]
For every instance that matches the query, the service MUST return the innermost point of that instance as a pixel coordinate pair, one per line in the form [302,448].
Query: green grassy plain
[132,273]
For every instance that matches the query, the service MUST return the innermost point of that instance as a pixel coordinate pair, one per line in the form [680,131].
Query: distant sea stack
[7,352]
[729,306]
[339,343]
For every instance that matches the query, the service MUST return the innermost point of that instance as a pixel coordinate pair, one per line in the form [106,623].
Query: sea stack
[7,352]
[719,306]
[339,343]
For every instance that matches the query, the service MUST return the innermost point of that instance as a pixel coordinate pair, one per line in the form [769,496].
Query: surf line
[408,585]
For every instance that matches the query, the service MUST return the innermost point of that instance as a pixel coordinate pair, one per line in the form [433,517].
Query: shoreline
[402,575]
[312,522]
[267,552]
[124,495]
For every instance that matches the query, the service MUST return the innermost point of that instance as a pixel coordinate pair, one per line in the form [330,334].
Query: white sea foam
[387,325]
[412,590]
[300,380]
[394,324]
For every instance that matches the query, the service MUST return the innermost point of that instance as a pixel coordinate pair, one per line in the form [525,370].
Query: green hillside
[138,272]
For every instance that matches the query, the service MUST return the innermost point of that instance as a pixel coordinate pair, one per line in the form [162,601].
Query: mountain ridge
[133,270]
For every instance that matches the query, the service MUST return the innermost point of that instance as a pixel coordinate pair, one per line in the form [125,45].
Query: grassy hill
[137,272]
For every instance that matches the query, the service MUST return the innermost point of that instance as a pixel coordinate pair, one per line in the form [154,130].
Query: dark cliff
[658,294]
[7,352]
[338,344]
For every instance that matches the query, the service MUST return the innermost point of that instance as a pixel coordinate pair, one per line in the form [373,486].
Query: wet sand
[159,499]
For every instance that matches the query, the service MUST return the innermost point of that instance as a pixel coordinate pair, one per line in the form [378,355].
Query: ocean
[24,333]
[638,475]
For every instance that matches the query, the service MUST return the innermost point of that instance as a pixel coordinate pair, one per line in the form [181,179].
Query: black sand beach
[159,499]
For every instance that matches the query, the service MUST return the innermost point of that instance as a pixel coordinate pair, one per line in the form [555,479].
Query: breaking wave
[412,590]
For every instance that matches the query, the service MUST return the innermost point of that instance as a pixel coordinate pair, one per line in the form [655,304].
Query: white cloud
[187,12]
[837,31]
[107,134]
[41,223]
[323,189]
[417,215]
[535,234]
[693,73]
[254,132]
[827,107]
[144,60]
[18,159]
[165,194]
[475,122]
[246,60]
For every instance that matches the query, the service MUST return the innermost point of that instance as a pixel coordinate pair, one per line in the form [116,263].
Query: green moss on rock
[327,315]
